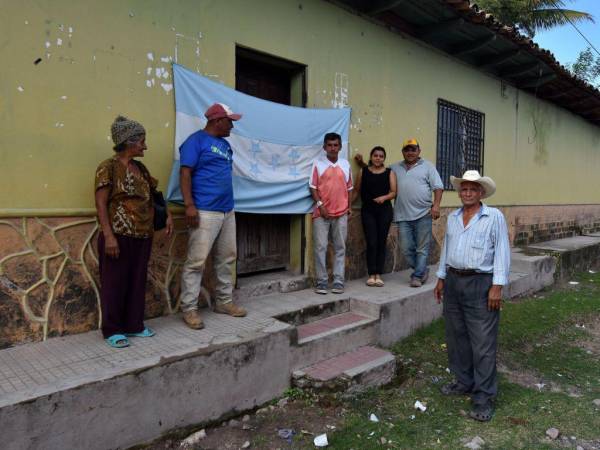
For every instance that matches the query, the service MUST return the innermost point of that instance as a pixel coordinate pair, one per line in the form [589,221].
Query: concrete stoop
[352,371]
[76,392]
[571,255]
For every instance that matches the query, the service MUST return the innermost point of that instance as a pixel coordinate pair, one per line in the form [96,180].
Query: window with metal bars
[460,136]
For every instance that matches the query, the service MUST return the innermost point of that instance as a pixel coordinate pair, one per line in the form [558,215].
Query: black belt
[464,272]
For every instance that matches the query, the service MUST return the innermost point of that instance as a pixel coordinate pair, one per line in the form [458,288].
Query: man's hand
[323,211]
[495,297]
[435,212]
[438,290]
[191,216]
[111,246]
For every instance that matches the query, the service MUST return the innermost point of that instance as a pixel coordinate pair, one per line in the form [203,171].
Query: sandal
[147,332]
[379,282]
[371,281]
[117,341]
[482,413]
[454,389]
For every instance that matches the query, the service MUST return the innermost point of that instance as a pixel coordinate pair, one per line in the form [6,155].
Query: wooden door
[263,240]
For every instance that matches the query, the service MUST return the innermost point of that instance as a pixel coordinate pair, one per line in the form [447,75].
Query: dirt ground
[306,417]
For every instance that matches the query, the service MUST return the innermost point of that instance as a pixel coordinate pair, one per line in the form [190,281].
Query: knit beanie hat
[123,128]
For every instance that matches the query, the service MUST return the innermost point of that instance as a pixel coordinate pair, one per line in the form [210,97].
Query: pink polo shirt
[332,181]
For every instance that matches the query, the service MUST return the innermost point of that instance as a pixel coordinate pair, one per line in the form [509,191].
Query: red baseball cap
[220,110]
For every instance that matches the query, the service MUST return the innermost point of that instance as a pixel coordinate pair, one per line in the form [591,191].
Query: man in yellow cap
[417,181]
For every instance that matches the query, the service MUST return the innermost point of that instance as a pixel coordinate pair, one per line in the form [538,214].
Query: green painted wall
[100,59]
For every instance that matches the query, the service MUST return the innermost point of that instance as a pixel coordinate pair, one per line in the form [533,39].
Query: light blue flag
[273,145]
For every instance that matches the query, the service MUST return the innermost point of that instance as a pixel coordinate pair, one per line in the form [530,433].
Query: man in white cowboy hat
[474,265]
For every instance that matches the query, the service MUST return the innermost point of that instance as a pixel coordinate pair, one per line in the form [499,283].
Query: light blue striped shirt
[482,246]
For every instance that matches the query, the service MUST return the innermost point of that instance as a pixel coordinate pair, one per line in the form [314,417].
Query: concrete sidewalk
[76,392]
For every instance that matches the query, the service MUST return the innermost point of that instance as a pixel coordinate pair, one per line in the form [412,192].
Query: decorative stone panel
[49,282]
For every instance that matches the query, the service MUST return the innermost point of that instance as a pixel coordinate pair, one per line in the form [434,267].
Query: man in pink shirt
[330,182]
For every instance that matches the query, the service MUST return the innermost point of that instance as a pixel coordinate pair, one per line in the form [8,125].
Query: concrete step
[352,371]
[269,283]
[331,325]
[331,336]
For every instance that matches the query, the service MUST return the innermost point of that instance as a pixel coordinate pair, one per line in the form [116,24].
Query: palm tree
[530,16]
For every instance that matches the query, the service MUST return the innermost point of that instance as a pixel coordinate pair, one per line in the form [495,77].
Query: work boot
[415,282]
[193,320]
[231,309]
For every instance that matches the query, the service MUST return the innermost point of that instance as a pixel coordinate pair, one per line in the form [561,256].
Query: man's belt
[463,272]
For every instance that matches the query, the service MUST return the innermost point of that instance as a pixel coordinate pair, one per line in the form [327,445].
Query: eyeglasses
[411,149]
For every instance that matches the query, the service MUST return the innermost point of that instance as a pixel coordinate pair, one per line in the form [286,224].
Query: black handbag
[160,210]
[158,201]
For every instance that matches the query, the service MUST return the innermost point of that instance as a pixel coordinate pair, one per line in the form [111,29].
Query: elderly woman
[125,211]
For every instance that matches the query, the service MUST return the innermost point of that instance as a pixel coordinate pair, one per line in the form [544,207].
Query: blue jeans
[415,237]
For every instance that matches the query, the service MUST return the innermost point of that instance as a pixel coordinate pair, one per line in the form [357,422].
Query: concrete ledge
[125,410]
[539,268]
[572,255]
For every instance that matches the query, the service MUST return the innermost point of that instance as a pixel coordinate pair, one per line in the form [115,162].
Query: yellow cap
[412,142]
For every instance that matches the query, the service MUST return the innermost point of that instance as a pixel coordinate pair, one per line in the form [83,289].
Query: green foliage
[530,16]
[586,67]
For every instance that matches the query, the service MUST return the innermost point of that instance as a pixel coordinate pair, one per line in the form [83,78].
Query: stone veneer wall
[49,280]
[49,277]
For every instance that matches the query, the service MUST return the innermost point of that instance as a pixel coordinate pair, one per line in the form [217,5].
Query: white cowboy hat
[488,185]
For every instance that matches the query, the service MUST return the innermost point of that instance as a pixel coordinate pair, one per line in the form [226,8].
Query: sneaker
[415,282]
[338,288]
[321,288]
[425,276]
[193,320]
[231,309]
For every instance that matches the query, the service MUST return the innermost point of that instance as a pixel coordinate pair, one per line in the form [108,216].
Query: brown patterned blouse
[130,208]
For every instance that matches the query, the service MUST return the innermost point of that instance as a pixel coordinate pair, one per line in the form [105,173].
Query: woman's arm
[356,189]
[393,186]
[111,246]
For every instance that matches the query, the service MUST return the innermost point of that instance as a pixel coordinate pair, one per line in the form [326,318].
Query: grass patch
[541,336]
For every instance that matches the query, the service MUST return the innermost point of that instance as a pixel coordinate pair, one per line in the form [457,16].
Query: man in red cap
[207,189]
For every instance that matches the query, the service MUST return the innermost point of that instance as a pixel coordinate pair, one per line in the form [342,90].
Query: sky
[564,41]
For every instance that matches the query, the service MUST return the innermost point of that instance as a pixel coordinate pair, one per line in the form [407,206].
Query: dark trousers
[123,285]
[376,226]
[471,334]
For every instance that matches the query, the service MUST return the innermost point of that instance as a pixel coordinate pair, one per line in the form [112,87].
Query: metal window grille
[460,136]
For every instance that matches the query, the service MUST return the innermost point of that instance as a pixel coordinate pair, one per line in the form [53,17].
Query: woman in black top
[377,186]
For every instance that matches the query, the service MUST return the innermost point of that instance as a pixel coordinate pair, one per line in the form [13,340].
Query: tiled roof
[468,33]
